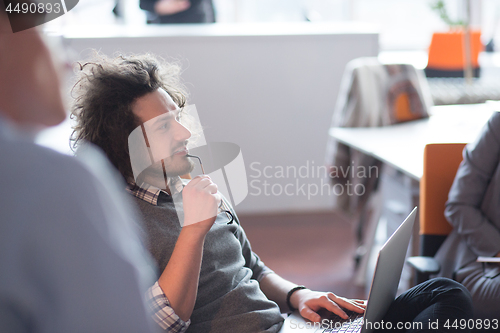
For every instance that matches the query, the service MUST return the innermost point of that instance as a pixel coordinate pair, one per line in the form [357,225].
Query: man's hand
[309,302]
[201,200]
[170,7]
[179,280]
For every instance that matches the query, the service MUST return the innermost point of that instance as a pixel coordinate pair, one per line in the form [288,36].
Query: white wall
[268,88]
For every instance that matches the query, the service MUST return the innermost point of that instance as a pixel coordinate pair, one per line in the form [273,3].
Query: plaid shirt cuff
[162,313]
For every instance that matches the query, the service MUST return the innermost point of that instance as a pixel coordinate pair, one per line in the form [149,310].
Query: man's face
[30,91]
[165,135]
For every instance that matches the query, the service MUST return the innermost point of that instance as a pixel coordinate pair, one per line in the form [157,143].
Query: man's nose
[181,132]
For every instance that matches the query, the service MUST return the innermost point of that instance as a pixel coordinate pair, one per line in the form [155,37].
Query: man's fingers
[204,183]
[195,180]
[200,181]
[361,303]
[307,313]
[218,198]
[199,178]
[347,304]
[212,188]
[315,301]
[201,184]
[327,303]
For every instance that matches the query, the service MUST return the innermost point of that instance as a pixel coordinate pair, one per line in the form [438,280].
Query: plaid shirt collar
[150,193]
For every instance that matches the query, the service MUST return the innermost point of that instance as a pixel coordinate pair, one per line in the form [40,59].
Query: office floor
[315,250]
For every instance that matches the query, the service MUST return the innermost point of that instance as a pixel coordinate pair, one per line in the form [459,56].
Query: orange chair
[441,162]
[446,54]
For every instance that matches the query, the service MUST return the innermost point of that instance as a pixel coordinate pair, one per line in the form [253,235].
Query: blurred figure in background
[472,209]
[179,11]
[71,260]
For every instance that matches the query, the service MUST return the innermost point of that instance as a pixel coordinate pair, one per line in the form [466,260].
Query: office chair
[441,163]
[446,55]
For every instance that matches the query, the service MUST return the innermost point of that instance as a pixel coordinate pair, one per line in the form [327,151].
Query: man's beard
[158,171]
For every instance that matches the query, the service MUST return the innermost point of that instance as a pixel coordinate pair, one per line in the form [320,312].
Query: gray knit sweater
[229,297]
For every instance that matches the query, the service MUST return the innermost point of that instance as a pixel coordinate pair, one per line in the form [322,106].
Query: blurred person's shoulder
[28,166]
[38,183]
[495,120]
[42,187]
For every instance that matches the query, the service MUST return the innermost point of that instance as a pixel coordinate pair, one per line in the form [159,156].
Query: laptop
[390,261]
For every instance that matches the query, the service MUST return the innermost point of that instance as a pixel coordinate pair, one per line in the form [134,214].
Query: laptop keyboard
[336,324]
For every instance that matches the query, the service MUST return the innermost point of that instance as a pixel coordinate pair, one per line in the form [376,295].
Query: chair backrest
[441,162]
[446,56]
[372,94]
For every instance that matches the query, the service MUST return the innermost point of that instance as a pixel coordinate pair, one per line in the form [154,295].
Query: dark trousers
[429,307]
[483,282]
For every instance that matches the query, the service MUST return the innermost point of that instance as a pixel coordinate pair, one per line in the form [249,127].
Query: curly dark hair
[104,94]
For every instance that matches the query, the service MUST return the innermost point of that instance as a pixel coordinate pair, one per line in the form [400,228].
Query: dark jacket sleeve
[148,5]
[470,191]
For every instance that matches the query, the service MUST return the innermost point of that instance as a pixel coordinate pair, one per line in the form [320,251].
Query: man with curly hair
[210,279]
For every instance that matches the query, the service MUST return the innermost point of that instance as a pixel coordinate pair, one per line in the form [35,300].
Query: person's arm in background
[463,209]
[165,7]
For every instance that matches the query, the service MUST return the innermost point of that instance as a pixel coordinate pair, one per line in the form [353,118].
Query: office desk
[400,147]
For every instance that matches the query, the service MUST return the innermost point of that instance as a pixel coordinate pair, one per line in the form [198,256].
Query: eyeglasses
[223,208]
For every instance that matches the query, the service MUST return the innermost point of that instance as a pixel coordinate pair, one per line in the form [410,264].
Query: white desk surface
[402,145]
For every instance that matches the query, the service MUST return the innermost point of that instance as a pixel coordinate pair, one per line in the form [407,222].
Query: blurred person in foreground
[210,279]
[70,256]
